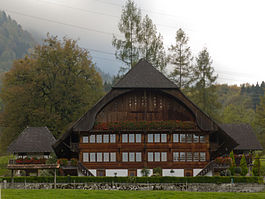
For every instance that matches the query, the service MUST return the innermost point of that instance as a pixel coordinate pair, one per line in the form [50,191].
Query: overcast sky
[232,30]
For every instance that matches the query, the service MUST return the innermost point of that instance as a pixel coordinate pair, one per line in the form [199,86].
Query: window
[164,156]
[106,157]
[189,138]
[99,138]
[195,138]
[92,157]
[113,157]
[150,138]
[182,156]
[138,138]
[164,138]
[202,139]
[131,138]
[92,138]
[112,138]
[125,157]
[157,137]
[106,138]
[202,156]
[150,157]
[131,157]
[175,156]
[189,156]
[196,156]
[138,156]
[85,157]
[182,138]
[175,137]
[157,157]
[99,157]
[85,139]
[125,138]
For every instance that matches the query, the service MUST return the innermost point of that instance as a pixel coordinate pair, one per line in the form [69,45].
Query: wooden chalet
[145,121]
[31,149]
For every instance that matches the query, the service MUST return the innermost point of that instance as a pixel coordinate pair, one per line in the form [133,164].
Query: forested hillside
[14,41]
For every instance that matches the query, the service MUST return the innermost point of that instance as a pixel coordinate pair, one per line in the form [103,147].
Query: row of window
[151,138]
[151,157]
[189,156]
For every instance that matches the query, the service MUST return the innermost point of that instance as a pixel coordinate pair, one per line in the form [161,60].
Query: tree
[243,166]
[151,45]
[141,40]
[233,163]
[130,23]
[181,59]
[260,121]
[256,166]
[204,93]
[52,87]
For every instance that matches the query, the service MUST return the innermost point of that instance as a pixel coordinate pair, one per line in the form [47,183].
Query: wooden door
[132,173]
[188,172]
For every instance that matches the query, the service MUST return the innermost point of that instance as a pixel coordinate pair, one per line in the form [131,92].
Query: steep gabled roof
[243,134]
[33,139]
[144,75]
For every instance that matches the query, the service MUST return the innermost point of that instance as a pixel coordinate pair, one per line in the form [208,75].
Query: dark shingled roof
[243,134]
[33,139]
[144,75]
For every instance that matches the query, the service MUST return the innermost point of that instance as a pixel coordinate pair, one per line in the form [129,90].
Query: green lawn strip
[82,194]
[3,163]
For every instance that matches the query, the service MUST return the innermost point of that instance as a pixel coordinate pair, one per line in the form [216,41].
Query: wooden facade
[144,96]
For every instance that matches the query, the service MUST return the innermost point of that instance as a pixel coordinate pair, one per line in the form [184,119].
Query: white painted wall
[177,172]
[139,174]
[93,171]
[120,172]
[210,173]
[196,171]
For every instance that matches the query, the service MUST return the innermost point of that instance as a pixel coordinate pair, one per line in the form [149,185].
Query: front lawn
[80,194]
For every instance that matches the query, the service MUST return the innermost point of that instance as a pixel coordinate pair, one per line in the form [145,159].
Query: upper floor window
[112,138]
[99,138]
[202,139]
[182,156]
[189,156]
[164,138]
[182,138]
[106,138]
[131,157]
[131,138]
[196,156]
[92,157]
[85,157]
[125,138]
[85,139]
[125,156]
[175,137]
[113,157]
[106,157]
[150,138]
[157,137]
[99,157]
[195,138]
[157,156]
[189,138]
[202,156]
[163,156]
[175,156]
[92,139]
[138,138]
[150,157]
[138,156]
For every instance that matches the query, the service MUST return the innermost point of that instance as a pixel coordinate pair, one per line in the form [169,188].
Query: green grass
[80,194]
[3,164]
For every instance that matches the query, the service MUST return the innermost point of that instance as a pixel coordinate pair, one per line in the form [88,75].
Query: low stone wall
[194,187]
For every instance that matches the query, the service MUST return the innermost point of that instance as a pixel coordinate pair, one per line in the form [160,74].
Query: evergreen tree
[243,165]
[256,166]
[233,163]
[204,94]
[51,87]
[180,57]
[127,50]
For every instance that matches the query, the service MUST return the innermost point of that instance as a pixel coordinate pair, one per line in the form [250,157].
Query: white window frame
[150,156]
[163,138]
[85,139]
[85,157]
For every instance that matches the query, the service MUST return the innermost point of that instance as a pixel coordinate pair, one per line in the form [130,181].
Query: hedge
[85,179]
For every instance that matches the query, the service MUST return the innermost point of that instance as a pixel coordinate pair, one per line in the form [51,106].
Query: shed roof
[244,135]
[144,75]
[33,140]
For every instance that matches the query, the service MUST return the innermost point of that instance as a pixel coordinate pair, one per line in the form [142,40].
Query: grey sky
[233,31]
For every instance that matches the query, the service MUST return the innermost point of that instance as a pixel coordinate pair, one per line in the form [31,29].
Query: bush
[243,166]
[145,172]
[74,161]
[63,161]
[157,171]
[256,166]
[86,179]
[233,163]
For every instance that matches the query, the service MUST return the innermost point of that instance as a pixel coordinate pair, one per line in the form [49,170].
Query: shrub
[233,163]
[238,170]
[73,161]
[243,166]
[63,161]
[145,172]
[256,166]
[157,171]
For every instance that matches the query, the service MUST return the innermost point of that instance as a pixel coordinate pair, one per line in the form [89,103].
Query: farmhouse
[145,121]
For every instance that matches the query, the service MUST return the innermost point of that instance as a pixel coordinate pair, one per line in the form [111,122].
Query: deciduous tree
[52,87]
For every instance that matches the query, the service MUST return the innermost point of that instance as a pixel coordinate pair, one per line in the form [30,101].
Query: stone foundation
[193,187]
